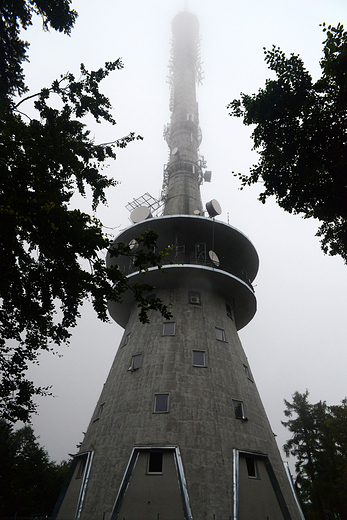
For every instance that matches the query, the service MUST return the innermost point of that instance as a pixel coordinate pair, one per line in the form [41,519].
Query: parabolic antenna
[207,176]
[214,257]
[174,151]
[133,244]
[213,208]
[139,214]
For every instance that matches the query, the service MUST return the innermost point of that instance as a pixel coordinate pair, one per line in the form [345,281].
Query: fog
[297,339]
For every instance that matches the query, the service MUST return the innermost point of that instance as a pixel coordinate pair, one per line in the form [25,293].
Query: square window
[199,358]
[239,409]
[251,467]
[220,334]
[136,362]
[161,403]
[155,462]
[169,328]
[194,298]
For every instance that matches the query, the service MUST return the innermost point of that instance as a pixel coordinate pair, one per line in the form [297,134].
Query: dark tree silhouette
[319,444]
[51,253]
[300,134]
[29,482]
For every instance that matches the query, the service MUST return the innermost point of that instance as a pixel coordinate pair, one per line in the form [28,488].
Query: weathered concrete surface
[201,419]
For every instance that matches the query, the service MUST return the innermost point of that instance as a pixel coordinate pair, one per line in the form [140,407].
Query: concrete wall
[201,418]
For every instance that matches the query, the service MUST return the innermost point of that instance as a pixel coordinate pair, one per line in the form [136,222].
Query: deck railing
[186,259]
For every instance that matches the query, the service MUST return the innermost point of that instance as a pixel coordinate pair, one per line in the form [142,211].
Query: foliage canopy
[29,481]
[301,136]
[319,443]
[52,253]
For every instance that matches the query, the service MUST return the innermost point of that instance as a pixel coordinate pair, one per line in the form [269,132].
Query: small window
[161,403]
[248,373]
[239,410]
[199,358]
[136,362]
[81,465]
[100,410]
[229,311]
[126,339]
[155,462]
[194,298]
[169,328]
[251,467]
[220,334]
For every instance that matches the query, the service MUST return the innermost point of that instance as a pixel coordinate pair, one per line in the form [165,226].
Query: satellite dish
[213,208]
[196,212]
[207,176]
[133,244]
[214,257]
[174,151]
[139,214]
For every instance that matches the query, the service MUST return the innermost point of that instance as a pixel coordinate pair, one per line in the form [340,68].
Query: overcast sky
[297,339]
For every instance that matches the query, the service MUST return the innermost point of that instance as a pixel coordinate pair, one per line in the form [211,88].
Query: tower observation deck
[179,431]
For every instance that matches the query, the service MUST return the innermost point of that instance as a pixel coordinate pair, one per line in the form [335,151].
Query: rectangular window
[194,298]
[136,361]
[239,409]
[100,410]
[161,403]
[229,310]
[169,328]
[220,334]
[251,467]
[81,466]
[247,372]
[126,339]
[199,358]
[155,462]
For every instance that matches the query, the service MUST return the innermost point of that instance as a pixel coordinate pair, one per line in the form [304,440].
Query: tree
[52,253]
[301,137]
[29,482]
[319,444]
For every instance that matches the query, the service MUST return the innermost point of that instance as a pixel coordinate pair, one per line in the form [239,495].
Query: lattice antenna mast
[184,172]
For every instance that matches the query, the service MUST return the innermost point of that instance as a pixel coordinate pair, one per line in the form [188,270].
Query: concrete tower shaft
[184,134]
[179,431]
